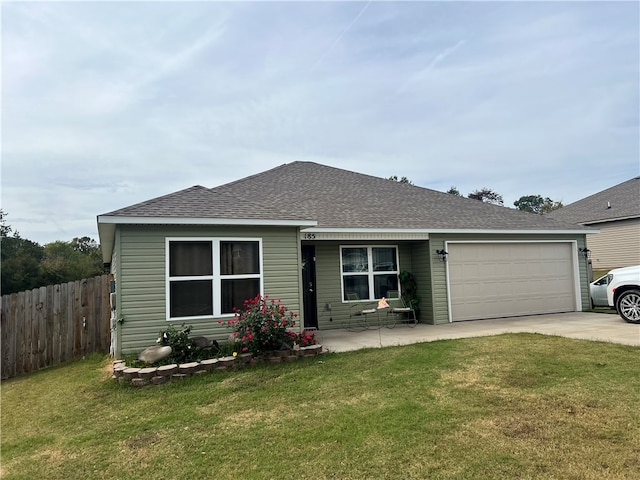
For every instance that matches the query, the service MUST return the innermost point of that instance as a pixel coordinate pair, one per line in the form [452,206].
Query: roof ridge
[233,182]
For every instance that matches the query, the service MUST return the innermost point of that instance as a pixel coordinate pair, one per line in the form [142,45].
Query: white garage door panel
[492,280]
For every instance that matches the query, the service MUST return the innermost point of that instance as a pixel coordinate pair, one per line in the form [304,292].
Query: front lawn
[511,406]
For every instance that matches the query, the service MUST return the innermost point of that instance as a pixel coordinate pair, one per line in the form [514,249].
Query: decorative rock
[147,372]
[167,370]
[119,370]
[130,373]
[155,354]
[178,376]
[275,359]
[189,368]
[290,358]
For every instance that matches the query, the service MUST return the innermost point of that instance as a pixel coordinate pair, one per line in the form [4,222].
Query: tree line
[27,264]
[526,203]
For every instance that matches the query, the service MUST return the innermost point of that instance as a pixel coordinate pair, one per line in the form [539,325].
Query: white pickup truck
[619,289]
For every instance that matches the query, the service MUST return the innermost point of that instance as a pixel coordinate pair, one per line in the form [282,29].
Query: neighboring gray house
[615,212]
[308,234]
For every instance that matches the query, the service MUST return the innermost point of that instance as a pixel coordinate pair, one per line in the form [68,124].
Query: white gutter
[124,220]
[447,231]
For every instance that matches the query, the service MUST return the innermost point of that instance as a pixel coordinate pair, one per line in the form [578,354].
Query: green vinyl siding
[421,269]
[439,294]
[328,279]
[141,279]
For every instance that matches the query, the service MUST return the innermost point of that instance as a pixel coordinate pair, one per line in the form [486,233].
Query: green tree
[454,191]
[20,264]
[27,265]
[66,261]
[5,230]
[487,195]
[20,260]
[401,180]
[536,204]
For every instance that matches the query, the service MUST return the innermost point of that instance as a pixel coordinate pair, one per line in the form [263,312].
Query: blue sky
[108,104]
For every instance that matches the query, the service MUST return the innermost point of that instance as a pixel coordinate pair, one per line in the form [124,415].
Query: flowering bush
[305,339]
[262,326]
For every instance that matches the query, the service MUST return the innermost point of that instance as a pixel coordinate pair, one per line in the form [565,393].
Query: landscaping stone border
[139,377]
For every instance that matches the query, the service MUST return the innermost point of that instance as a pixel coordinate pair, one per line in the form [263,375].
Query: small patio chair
[400,308]
[358,312]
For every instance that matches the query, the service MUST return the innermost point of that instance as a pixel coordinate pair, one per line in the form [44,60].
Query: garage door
[492,280]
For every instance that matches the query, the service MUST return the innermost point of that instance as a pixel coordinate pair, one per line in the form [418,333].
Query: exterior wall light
[585,252]
[442,255]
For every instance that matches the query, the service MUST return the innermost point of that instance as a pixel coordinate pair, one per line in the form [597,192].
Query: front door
[309,286]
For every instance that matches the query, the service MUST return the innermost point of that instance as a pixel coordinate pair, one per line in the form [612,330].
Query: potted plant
[410,290]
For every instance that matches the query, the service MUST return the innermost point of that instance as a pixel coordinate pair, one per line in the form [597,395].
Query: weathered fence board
[50,325]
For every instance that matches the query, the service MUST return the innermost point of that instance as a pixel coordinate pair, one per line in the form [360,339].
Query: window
[370,272]
[209,277]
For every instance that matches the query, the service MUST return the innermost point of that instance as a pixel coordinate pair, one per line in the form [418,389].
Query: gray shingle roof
[201,202]
[337,198]
[619,202]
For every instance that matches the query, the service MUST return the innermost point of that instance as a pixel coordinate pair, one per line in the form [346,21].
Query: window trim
[216,278]
[370,274]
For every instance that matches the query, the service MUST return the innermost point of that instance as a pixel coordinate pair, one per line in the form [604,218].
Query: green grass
[511,406]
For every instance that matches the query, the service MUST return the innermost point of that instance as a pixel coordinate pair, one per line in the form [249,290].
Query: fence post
[8,329]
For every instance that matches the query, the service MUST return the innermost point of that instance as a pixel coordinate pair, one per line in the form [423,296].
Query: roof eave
[581,231]
[133,220]
[107,226]
[609,220]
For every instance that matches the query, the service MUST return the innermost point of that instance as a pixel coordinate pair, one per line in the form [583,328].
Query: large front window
[369,272]
[209,277]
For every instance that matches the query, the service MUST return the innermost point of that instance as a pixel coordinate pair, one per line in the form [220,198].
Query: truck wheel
[628,306]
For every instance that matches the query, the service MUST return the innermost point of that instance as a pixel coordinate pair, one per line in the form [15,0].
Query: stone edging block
[140,377]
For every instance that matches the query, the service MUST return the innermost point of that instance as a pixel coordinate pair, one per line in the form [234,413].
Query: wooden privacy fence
[50,325]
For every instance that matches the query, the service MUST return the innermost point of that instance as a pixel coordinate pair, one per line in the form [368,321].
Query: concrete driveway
[586,326]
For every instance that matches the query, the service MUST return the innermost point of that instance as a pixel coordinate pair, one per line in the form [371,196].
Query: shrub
[305,339]
[262,326]
[178,340]
[183,348]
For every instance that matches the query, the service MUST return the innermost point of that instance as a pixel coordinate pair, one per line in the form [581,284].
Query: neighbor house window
[368,271]
[209,277]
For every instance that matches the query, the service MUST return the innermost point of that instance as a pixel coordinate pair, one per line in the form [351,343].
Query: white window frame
[369,273]
[216,278]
